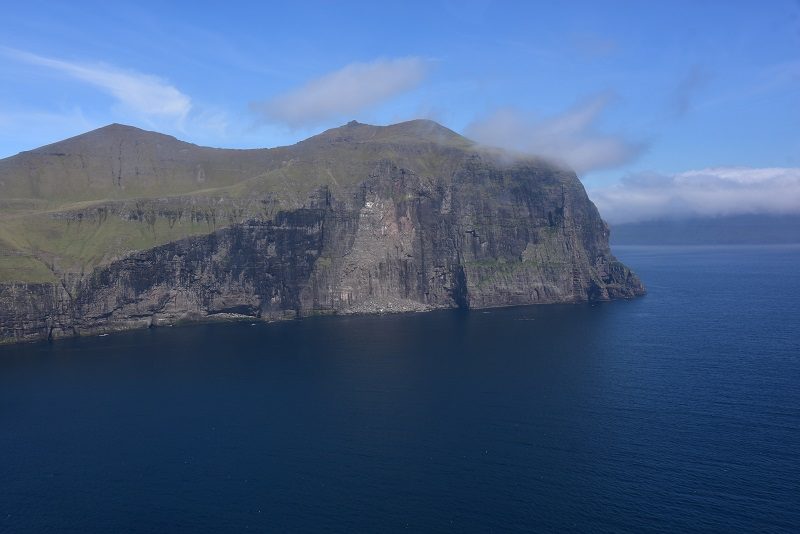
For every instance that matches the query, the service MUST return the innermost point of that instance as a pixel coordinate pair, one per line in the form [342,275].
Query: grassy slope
[70,206]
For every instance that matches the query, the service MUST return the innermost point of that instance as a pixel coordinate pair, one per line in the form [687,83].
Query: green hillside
[82,202]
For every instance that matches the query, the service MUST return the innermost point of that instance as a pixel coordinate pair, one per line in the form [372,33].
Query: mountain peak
[125,131]
[113,134]
[413,131]
[116,126]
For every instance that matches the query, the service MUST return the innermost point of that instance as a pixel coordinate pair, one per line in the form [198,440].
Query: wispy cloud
[686,90]
[144,94]
[706,192]
[348,90]
[570,137]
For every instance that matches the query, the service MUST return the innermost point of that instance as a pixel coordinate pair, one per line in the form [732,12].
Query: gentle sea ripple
[679,411]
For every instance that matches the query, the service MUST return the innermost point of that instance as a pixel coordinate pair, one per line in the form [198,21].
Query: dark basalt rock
[488,235]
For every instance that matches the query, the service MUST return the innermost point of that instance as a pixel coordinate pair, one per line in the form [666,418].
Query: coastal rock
[472,230]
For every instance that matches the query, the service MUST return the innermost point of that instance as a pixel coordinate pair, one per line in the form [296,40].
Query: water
[678,411]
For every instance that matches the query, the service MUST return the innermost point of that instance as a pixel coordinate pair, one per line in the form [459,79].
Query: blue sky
[619,90]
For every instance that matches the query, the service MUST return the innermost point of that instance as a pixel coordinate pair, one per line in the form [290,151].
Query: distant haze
[700,193]
[722,230]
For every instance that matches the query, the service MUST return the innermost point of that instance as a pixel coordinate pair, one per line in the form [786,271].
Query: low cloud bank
[704,193]
[570,137]
[346,91]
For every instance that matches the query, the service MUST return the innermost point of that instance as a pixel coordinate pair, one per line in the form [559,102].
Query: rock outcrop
[428,223]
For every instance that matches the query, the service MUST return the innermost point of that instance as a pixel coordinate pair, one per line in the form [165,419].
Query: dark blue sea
[675,412]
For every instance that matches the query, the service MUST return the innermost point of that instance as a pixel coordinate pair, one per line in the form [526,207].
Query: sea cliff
[360,219]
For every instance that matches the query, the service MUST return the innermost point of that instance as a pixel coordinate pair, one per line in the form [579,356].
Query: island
[122,228]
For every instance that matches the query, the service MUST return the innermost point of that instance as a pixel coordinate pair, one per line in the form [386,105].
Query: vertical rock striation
[480,232]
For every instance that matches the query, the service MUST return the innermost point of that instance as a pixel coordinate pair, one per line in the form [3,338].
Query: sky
[663,109]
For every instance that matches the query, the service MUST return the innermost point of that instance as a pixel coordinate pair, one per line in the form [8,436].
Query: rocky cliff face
[480,231]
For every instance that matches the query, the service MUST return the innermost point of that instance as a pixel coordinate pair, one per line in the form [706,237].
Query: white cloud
[706,192]
[345,91]
[569,137]
[143,94]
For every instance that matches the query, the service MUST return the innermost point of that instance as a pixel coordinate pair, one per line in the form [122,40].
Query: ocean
[678,411]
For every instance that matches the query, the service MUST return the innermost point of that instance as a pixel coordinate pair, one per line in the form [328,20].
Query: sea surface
[675,412]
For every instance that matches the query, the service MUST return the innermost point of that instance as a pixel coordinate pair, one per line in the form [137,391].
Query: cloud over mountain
[348,90]
[570,137]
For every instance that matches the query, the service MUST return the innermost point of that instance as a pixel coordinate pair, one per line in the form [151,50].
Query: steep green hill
[82,202]
[121,228]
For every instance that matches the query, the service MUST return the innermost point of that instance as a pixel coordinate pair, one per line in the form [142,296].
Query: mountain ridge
[127,151]
[358,218]
[415,130]
[108,133]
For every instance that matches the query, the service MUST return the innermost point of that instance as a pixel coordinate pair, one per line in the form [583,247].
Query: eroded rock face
[485,236]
